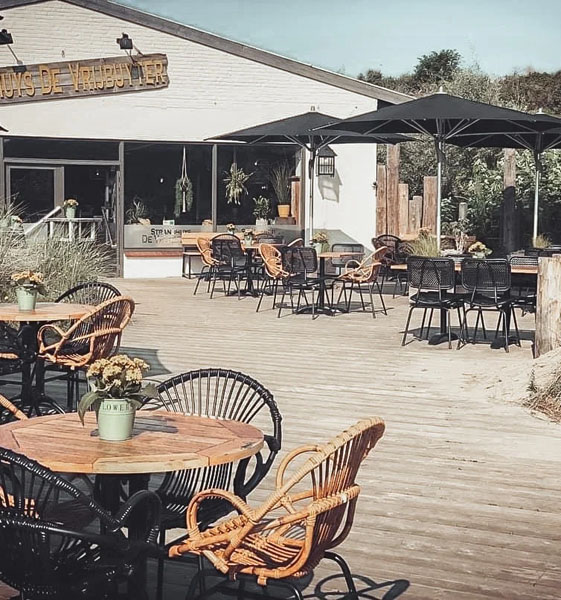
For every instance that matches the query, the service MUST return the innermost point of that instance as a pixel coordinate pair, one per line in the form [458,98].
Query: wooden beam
[548,323]
[392,189]
[403,206]
[509,224]
[415,214]
[429,203]
[381,200]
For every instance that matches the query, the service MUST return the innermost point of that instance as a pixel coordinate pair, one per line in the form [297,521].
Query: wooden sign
[73,79]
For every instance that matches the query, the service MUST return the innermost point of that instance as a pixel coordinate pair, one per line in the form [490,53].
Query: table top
[44,312]
[516,269]
[338,254]
[162,441]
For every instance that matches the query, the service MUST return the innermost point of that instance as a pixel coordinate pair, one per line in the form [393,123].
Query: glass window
[60,149]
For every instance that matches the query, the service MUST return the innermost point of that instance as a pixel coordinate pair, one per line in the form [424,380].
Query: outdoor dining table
[162,441]
[323,257]
[45,312]
[442,336]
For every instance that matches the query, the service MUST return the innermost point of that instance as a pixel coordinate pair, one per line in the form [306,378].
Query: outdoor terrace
[460,499]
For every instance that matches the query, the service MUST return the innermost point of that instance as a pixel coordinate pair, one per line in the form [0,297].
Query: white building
[89,120]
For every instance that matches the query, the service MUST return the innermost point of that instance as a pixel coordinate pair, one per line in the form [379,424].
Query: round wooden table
[162,441]
[30,321]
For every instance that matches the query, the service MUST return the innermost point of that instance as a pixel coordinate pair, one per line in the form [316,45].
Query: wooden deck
[461,498]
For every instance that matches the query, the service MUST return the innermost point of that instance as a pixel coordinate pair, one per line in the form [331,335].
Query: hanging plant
[183,195]
[235,181]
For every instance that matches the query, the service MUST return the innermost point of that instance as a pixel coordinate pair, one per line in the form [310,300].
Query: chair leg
[407,326]
[361,297]
[370,293]
[423,323]
[449,320]
[461,328]
[505,330]
[430,322]
[382,298]
[296,593]
[342,563]
[160,572]
[513,316]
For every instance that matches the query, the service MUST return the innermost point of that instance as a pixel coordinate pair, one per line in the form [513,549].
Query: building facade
[114,120]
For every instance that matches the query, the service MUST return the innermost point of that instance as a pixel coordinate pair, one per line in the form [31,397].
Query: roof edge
[217,42]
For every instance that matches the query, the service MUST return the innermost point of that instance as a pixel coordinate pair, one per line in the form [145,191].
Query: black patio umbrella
[443,117]
[538,142]
[301,130]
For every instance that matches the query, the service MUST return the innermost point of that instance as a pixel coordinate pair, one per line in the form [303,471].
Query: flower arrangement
[479,250]
[320,237]
[30,280]
[262,207]
[230,228]
[118,377]
[70,203]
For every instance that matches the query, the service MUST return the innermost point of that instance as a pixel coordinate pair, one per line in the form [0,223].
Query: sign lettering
[91,77]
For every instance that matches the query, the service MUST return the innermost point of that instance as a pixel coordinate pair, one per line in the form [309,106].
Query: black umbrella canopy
[537,142]
[442,115]
[301,130]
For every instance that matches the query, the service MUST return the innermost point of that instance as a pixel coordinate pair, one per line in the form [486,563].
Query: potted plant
[116,391]
[319,241]
[70,205]
[206,225]
[28,285]
[280,180]
[261,212]
[248,236]
[479,250]
[231,228]
[235,181]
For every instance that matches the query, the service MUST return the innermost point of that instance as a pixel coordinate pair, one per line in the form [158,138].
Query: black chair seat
[434,300]
[488,301]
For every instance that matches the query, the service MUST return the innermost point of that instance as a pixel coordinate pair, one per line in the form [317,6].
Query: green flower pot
[318,248]
[115,420]
[27,298]
[70,212]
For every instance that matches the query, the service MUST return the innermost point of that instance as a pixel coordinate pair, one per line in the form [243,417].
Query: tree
[437,67]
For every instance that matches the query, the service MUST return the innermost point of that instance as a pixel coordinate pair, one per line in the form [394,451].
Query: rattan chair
[220,394]
[9,411]
[297,242]
[205,251]
[310,512]
[363,277]
[231,263]
[434,279]
[488,283]
[45,554]
[96,335]
[272,271]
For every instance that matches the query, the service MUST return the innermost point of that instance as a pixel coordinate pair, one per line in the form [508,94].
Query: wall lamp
[125,42]
[326,162]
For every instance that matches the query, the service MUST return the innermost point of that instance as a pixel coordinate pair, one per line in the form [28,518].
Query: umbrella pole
[308,234]
[537,163]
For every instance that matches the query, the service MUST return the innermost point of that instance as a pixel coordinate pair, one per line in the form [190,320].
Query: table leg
[137,527]
[442,336]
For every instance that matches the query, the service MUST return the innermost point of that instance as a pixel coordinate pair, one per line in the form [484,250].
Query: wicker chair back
[205,250]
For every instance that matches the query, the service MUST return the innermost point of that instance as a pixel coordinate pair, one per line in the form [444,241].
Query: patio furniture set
[292,273]
[80,516]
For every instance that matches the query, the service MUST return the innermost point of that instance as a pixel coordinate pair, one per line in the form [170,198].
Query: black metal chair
[231,263]
[434,279]
[488,284]
[525,291]
[90,292]
[46,554]
[355,253]
[301,265]
[221,394]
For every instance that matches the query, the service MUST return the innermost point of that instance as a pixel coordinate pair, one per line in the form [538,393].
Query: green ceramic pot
[70,212]
[115,420]
[27,298]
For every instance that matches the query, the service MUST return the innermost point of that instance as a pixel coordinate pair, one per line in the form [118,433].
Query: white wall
[152,267]
[211,92]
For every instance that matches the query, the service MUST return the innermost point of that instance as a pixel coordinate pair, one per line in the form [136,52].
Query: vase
[284,210]
[27,298]
[115,420]
[318,248]
[478,254]
[248,241]
[70,212]
[261,225]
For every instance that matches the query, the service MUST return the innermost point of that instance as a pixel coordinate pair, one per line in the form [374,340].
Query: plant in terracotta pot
[279,177]
[319,241]
[479,250]
[70,205]
[116,391]
[28,284]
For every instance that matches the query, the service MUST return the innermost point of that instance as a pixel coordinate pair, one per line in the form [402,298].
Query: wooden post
[295,188]
[548,311]
[509,229]
[403,205]
[429,203]
[415,214]
[393,189]
[381,201]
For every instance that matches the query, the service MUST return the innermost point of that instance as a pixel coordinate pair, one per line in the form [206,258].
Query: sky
[351,36]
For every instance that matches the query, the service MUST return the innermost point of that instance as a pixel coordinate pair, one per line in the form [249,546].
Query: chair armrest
[43,346]
[191,518]
[289,458]
[262,467]
[154,507]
